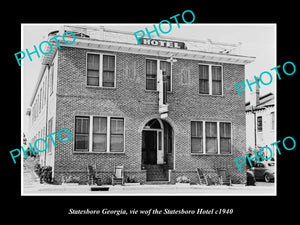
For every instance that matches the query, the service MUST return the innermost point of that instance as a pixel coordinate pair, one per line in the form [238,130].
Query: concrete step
[156,182]
[157,172]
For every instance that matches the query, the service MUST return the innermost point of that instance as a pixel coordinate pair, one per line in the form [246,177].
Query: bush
[44,173]
[182,179]
[131,179]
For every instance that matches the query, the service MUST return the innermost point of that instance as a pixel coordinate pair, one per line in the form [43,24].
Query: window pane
[151,84]
[151,67]
[93,61]
[116,143]
[99,125]
[82,125]
[203,72]
[151,74]
[93,81]
[217,88]
[216,73]
[225,145]
[197,128]
[99,143]
[259,124]
[211,145]
[81,142]
[211,129]
[225,130]
[194,132]
[116,126]
[216,80]
[108,79]
[197,145]
[108,63]
[203,79]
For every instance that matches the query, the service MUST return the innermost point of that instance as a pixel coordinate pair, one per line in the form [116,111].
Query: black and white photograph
[151,113]
[124,109]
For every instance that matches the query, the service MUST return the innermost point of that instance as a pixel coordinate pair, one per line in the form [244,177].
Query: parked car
[264,171]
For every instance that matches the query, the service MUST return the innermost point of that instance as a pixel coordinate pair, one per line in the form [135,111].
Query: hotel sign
[163,43]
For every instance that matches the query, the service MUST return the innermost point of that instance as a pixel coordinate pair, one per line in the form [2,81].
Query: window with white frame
[99,134]
[210,79]
[101,70]
[152,70]
[209,137]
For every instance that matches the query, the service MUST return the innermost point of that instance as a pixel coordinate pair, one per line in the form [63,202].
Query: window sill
[155,91]
[207,154]
[208,95]
[118,153]
[98,87]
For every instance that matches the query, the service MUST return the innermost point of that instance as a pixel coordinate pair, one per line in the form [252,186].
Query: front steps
[157,173]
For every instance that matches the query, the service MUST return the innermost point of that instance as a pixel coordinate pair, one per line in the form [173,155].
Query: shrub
[182,179]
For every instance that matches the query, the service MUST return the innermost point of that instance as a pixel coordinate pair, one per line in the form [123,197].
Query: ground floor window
[209,137]
[99,134]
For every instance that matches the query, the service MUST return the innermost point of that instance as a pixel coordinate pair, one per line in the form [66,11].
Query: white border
[162,36]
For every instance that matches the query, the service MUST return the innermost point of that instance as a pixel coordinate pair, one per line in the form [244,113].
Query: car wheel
[267,178]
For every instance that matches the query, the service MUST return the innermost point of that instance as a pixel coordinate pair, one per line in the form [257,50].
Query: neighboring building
[260,121]
[160,111]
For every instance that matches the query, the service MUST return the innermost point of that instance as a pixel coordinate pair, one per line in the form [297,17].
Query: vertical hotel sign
[162,95]
[161,78]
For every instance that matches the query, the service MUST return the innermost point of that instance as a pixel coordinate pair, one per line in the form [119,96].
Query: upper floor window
[101,70]
[210,79]
[152,68]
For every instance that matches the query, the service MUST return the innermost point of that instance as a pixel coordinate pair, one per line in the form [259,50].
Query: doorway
[149,149]
[157,150]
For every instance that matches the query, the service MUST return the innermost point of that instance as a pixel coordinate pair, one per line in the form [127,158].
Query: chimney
[254,95]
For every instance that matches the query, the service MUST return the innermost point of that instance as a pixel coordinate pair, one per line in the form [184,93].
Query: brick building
[161,109]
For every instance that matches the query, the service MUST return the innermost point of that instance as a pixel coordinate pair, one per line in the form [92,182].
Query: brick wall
[130,100]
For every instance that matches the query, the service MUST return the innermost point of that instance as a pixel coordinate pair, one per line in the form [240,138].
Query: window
[211,137]
[259,124]
[216,72]
[108,71]
[116,134]
[272,120]
[152,71]
[225,138]
[166,68]
[151,74]
[197,136]
[104,134]
[101,70]
[203,79]
[93,68]
[210,79]
[99,134]
[82,125]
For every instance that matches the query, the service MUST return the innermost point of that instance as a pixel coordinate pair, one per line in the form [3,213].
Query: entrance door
[149,147]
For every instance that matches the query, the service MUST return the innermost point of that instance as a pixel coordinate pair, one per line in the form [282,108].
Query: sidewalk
[164,189]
